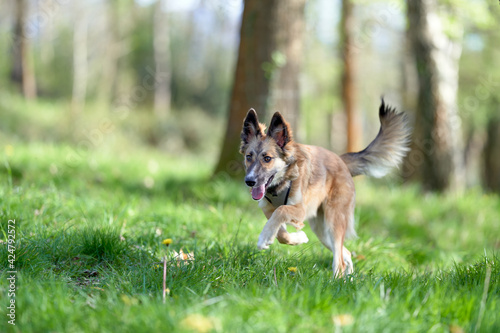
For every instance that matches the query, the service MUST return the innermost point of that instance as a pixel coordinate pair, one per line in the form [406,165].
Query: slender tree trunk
[251,86]
[108,79]
[80,64]
[162,59]
[127,19]
[22,72]
[409,93]
[349,96]
[437,136]
[337,131]
[46,40]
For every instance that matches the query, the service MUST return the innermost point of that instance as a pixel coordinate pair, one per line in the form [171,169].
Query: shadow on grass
[197,188]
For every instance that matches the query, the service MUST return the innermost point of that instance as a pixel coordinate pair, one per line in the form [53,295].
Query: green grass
[88,252]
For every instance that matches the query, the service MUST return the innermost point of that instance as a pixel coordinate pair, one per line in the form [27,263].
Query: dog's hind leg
[338,264]
[330,225]
[323,228]
[349,266]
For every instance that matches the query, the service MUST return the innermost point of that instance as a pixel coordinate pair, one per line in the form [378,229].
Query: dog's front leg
[285,214]
[291,238]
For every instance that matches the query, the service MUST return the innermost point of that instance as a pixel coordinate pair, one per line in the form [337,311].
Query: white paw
[265,239]
[262,246]
[299,237]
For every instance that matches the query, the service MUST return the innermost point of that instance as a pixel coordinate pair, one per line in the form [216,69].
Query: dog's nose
[250,182]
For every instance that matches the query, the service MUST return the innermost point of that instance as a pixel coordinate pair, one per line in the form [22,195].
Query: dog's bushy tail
[388,148]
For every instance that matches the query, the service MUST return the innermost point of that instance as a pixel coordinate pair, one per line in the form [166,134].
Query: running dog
[294,182]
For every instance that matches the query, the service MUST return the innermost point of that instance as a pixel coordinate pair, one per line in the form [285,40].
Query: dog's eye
[267,159]
[249,158]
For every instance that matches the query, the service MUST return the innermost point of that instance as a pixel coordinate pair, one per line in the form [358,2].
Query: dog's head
[266,154]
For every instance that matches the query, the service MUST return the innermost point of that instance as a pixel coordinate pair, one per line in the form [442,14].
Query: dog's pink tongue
[258,192]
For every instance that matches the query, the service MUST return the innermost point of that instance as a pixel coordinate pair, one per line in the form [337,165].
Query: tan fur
[322,189]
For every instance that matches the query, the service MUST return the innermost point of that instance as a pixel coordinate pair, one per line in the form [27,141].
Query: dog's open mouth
[259,191]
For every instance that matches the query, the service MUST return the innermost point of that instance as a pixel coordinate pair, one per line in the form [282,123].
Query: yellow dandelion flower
[198,323]
[456,329]
[292,269]
[129,301]
[9,150]
[343,319]
[167,241]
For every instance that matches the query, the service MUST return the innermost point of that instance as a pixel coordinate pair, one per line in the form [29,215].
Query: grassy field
[88,253]
[89,225]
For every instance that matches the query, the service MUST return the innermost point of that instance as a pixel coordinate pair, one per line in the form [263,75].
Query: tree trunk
[349,96]
[80,64]
[162,59]
[22,72]
[251,84]
[285,87]
[267,71]
[437,152]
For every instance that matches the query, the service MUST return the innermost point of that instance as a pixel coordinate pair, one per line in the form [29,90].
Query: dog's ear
[279,130]
[251,127]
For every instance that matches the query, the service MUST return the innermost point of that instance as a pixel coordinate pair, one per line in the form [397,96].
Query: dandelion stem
[164,277]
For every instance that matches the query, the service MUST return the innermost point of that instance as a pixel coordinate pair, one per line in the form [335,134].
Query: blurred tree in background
[267,71]
[22,72]
[437,126]
[284,70]
[485,100]
[251,85]
[349,91]
[181,75]
[162,61]
[80,56]
[492,154]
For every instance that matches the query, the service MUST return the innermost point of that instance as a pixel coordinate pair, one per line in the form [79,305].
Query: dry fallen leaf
[183,256]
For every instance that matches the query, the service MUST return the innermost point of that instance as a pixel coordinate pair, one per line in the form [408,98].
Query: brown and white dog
[294,182]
